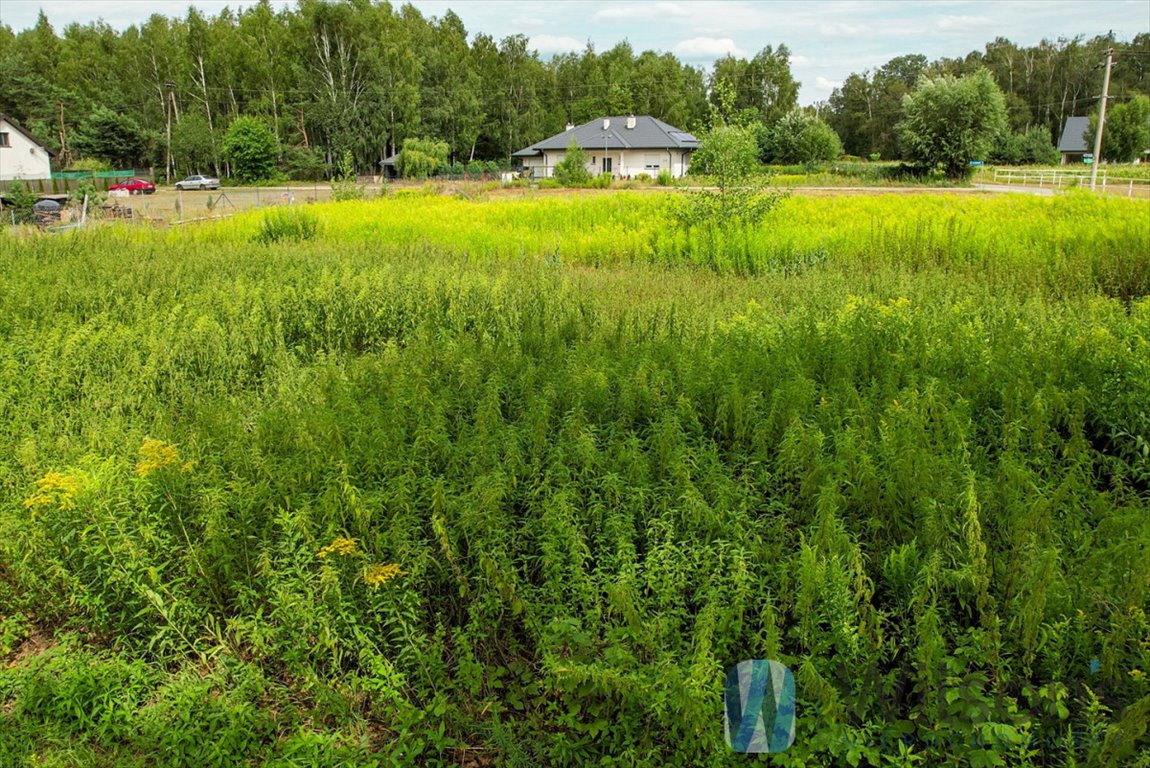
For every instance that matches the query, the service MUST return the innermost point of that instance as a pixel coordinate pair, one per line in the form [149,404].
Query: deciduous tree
[251,148]
[950,121]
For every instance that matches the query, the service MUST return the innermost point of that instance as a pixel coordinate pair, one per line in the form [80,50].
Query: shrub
[343,184]
[602,181]
[572,171]
[664,179]
[1033,147]
[304,164]
[643,178]
[421,158]
[20,199]
[799,138]
[91,164]
[252,149]
[291,224]
[729,154]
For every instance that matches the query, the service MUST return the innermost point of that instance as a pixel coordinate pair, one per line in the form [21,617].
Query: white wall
[22,159]
[627,162]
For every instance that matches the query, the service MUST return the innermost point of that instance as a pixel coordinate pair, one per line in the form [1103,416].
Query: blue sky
[828,39]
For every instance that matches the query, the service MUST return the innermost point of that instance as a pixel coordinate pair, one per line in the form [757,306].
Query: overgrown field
[460,482]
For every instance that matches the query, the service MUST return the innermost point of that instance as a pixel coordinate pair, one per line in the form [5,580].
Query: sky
[828,39]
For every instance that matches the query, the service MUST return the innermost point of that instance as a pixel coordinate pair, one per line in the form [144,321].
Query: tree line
[333,79]
[1042,84]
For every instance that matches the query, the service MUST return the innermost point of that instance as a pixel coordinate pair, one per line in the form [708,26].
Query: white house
[624,146]
[21,156]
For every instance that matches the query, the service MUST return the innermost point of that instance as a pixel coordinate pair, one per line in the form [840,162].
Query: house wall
[22,159]
[627,162]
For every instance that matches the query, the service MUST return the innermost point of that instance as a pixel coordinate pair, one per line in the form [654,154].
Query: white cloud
[527,21]
[962,22]
[708,47]
[823,84]
[555,44]
[800,61]
[839,29]
[640,11]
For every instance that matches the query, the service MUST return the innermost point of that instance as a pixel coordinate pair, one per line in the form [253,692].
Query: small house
[21,155]
[1072,146]
[624,146]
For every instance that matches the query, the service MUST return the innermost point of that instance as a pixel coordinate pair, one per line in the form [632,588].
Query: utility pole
[168,115]
[1101,120]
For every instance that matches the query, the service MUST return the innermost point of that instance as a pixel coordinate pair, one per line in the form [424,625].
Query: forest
[360,77]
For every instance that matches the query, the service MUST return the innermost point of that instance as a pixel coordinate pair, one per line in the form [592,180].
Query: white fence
[1067,179]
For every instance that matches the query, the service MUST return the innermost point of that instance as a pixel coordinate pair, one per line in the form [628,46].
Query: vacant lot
[444,481]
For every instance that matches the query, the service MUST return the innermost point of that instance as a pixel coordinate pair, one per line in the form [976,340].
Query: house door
[606,164]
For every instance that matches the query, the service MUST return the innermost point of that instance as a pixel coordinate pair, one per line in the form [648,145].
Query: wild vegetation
[436,481]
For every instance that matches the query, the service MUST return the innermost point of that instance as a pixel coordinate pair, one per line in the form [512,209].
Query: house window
[594,160]
[651,162]
[4,141]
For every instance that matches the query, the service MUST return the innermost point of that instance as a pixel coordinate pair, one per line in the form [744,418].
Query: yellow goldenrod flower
[155,455]
[377,575]
[55,489]
[340,545]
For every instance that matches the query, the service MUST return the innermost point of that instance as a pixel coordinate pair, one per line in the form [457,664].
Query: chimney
[606,123]
[631,122]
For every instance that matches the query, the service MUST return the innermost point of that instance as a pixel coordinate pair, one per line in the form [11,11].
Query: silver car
[198,182]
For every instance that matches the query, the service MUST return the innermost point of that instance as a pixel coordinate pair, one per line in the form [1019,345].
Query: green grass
[898,444]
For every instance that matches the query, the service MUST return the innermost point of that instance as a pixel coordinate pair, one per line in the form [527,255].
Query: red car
[135,186]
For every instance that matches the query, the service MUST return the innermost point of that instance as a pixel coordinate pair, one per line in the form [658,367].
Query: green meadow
[477,481]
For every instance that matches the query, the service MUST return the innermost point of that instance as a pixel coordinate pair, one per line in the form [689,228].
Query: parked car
[198,182]
[134,186]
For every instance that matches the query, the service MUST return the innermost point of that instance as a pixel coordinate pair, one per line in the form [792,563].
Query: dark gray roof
[1072,135]
[648,133]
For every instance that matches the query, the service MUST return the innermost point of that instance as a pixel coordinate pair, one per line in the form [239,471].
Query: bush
[90,164]
[1033,147]
[664,179]
[799,138]
[290,224]
[572,171]
[252,149]
[421,158]
[643,178]
[343,185]
[602,181]
[18,208]
[304,164]
[729,154]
